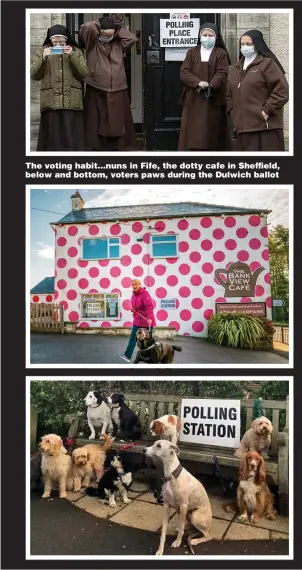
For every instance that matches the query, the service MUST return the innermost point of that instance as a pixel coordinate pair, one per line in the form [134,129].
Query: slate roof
[47,285]
[143,211]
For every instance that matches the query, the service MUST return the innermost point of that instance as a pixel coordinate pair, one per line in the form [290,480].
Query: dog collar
[149,347]
[175,474]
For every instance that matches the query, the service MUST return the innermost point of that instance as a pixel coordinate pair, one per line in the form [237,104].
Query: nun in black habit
[61,67]
[204,73]
[256,94]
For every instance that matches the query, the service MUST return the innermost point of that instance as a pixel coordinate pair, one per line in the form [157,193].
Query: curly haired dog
[56,465]
[254,498]
[86,459]
[258,438]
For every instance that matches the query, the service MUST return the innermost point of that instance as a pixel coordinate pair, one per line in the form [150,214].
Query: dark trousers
[132,341]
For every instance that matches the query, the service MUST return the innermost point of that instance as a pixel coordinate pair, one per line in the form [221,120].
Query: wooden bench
[149,407]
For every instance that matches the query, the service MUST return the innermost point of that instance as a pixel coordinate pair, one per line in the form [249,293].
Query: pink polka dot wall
[42,298]
[204,245]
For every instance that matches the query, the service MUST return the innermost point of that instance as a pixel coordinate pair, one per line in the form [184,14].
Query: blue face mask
[106,40]
[208,41]
[247,51]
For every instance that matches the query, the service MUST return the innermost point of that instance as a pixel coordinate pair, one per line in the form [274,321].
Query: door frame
[147,83]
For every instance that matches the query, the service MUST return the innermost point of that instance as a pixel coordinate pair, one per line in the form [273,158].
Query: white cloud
[262,198]
[46,251]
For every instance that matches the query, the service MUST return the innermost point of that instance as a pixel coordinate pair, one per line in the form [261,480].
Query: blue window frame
[101,248]
[164,246]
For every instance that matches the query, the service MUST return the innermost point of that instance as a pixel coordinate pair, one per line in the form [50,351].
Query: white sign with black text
[179,33]
[168,304]
[210,422]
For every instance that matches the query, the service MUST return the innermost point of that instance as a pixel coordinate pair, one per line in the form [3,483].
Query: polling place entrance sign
[179,33]
[210,422]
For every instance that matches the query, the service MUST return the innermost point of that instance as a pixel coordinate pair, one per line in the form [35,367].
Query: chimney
[77,201]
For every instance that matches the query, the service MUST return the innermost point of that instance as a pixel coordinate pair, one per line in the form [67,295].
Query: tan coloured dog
[182,492]
[257,438]
[254,498]
[86,459]
[56,465]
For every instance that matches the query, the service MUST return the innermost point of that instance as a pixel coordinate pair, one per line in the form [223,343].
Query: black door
[162,86]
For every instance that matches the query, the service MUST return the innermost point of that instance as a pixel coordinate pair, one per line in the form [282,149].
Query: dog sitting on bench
[151,351]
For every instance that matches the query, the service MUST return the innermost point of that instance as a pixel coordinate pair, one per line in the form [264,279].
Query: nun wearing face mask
[257,92]
[61,91]
[107,112]
[204,73]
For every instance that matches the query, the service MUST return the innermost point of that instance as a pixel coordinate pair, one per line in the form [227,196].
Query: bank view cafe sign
[210,422]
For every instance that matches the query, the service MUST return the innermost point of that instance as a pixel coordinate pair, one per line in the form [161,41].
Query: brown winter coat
[217,73]
[204,122]
[61,79]
[261,86]
[106,60]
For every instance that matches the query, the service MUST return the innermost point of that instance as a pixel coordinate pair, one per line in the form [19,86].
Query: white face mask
[247,51]
[106,39]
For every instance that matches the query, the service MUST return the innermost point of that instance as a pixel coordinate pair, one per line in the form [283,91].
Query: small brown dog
[167,427]
[258,438]
[254,498]
[85,460]
[151,351]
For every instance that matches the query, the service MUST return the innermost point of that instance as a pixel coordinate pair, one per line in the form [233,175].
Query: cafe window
[101,248]
[101,306]
[164,246]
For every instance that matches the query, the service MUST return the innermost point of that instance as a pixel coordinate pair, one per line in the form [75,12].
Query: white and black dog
[123,418]
[115,480]
[98,413]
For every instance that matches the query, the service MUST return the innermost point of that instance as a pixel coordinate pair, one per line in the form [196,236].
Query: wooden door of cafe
[161,86]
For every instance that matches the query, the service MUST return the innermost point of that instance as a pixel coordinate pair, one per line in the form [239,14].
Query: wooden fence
[46,317]
[281,334]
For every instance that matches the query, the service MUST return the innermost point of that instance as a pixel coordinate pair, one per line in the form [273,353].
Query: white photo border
[289,152]
[289,556]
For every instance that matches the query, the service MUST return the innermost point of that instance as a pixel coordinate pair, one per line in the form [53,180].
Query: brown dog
[85,460]
[254,498]
[153,352]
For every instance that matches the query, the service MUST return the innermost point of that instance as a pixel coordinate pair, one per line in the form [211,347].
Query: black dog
[117,479]
[151,351]
[124,418]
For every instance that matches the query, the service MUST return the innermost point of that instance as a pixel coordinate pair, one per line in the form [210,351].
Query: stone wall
[275,31]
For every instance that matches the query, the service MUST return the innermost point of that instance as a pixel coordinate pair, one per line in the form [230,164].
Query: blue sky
[48,206]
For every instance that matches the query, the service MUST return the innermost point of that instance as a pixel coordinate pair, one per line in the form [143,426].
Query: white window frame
[165,256]
[108,248]
[104,318]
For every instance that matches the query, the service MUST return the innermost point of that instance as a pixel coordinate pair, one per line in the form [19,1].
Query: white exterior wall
[205,244]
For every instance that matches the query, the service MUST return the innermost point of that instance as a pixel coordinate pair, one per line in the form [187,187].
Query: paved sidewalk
[83,525]
[97,349]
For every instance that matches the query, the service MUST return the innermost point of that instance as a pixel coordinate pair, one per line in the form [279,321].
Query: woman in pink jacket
[143,316]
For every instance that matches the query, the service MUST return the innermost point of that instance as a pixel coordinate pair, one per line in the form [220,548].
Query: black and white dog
[116,480]
[123,418]
[98,413]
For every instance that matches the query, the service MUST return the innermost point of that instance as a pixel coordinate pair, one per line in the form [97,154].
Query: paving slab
[238,531]
[279,535]
[71,496]
[218,510]
[218,527]
[280,524]
[140,515]
[93,506]
[148,498]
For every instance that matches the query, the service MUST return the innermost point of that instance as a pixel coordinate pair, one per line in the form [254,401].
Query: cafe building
[195,260]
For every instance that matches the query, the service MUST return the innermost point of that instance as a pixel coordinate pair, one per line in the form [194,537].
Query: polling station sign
[179,33]
[210,422]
